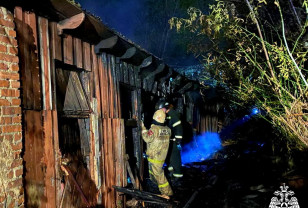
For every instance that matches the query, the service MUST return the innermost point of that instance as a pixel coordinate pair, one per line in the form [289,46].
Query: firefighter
[157,139]
[174,156]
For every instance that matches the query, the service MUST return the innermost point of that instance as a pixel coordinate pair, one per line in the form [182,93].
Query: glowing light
[201,148]
[255,111]
[171,79]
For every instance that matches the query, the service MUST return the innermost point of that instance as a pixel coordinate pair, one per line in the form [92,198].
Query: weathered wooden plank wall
[44,55]
[39,157]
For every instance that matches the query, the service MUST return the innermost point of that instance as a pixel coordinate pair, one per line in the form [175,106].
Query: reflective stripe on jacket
[175,124]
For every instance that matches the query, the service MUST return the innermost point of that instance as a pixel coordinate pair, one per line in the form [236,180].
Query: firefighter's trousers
[157,175]
[175,160]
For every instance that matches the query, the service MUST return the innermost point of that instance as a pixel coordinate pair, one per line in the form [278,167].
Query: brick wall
[11,169]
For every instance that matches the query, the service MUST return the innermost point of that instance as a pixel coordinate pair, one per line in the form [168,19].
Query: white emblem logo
[285,201]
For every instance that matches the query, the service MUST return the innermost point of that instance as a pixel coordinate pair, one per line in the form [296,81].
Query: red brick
[12,33]
[10,174]
[16,163]
[8,58]
[13,50]
[18,172]
[16,147]
[15,84]
[2,198]
[10,129]
[5,120]
[3,66]
[8,40]
[8,137]
[17,154]
[4,83]
[7,23]
[9,17]
[17,137]
[14,67]
[4,102]
[2,31]
[15,183]
[21,200]
[9,75]
[11,110]
[12,204]
[16,119]
[16,101]
[3,48]
[10,93]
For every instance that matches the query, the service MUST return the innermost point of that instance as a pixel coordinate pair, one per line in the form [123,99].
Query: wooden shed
[83,89]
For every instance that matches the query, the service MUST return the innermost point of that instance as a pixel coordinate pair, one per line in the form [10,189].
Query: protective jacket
[157,139]
[175,125]
[174,156]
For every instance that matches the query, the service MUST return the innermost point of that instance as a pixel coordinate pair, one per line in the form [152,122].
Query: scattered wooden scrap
[144,196]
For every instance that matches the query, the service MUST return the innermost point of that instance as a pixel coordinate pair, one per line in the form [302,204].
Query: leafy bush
[261,64]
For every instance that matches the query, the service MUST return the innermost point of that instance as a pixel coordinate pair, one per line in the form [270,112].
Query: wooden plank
[49,159]
[29,66]
[87,56]
[34,159]
[105,84]
[96,79]
[55,42]
[123,151]
[68,49]
[111,87]
[54,47]
[77,51]
[57,155]
[105,166]
[32,67]
[45,63]
[102,88]
[119,154]
[110,159]
[121,72]
[125,73]
[94,143]
[131,75]
[114,85]
[137,77]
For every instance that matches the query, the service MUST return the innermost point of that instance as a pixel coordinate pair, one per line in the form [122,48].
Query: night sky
[146,25]
[121,15]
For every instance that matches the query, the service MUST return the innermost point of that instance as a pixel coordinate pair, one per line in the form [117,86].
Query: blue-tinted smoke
[201,148]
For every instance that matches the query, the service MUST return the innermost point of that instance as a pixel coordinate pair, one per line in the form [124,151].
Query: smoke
[201,148]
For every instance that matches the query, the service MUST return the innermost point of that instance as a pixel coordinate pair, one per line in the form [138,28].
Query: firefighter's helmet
[159,116]
[162,104]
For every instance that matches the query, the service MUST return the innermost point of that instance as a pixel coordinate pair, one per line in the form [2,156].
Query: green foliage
[261,64]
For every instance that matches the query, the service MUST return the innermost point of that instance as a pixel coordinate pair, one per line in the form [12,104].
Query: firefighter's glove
[142,124]
[179,146]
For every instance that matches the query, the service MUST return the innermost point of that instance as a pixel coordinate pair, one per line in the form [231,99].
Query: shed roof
[92,30]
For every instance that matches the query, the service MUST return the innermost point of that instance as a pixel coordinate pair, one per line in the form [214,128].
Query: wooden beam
[159,69]
[185,88]
[106,44]
[130,52]
[146,62]
[70,23]
[163,79]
